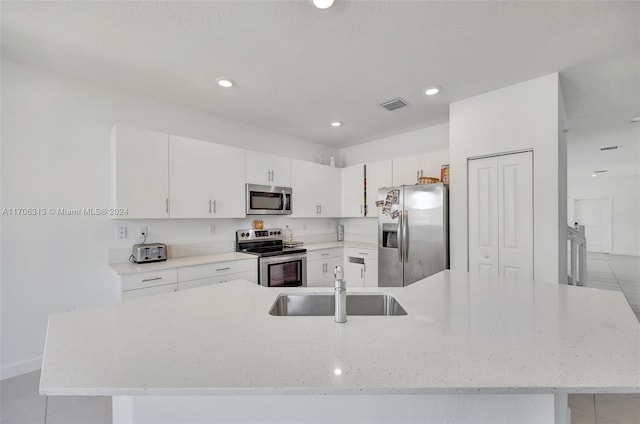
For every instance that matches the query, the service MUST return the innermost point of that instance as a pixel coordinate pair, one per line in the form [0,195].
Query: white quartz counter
[131,268]
[460,337]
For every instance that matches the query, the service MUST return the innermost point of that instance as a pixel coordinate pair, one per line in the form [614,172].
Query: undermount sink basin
[324,305]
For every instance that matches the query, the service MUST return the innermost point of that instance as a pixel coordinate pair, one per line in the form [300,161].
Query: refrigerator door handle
[399,238]
[405,236]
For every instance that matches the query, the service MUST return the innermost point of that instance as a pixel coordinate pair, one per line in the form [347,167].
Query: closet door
[500,214]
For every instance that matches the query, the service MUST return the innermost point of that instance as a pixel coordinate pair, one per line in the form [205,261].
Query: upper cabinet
[316,189]
[140,183]
[352,191]
[407,169]
[379,174]
[206,179]
[266,169]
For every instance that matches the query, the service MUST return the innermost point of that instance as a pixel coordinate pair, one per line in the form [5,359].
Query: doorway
[595,215]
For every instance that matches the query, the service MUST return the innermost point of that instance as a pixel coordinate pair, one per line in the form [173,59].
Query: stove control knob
[270,233]
[278,232]
[243,235]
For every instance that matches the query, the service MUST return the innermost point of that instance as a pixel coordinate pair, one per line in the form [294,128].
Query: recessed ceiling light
[323,4]
[224,82]
[594,175]
[336,123]
[431,91]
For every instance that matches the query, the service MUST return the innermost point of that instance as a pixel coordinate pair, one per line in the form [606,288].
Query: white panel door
[515,216]
[483,217]
[379,174]
[501,216]
[595,215]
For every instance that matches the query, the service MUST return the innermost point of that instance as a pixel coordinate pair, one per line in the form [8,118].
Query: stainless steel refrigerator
[413,233]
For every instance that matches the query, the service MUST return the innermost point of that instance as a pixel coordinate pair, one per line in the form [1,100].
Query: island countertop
[460,336]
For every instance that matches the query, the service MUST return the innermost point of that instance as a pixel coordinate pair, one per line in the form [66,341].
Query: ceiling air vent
[602,149]
[394,104]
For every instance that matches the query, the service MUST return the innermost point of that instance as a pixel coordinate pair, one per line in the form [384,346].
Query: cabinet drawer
[216,269]
[149,279]
[150,291]
[247,275]
[324,254]
[359,252]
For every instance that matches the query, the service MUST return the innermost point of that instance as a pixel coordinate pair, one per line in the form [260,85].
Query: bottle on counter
[288,235]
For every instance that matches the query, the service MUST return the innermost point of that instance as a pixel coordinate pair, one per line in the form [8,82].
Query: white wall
[56,153]
[624,192]
[419,141]
[518,117]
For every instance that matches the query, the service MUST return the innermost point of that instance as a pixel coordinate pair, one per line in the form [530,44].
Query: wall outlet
[212,229]
[143,232]
[121,232]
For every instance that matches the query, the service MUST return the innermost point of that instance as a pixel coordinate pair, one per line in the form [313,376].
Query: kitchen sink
[324,305]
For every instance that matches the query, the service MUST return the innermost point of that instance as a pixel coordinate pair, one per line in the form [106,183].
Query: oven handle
[282,258]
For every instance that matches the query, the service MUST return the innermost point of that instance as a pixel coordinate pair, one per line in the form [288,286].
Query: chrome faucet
[340,295]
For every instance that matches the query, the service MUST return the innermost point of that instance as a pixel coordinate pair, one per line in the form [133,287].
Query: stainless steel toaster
[149,252]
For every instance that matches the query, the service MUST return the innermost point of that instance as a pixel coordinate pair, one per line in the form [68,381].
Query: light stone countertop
[460,336]
[125,268]
[131,268]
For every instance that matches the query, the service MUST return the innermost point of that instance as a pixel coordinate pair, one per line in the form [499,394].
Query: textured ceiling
[298,68]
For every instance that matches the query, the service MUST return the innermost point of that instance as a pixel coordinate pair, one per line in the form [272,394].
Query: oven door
[267,200]
[283,271]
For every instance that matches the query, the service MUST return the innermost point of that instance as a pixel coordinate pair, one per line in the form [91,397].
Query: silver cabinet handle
[325,254]
[361,272]
[146,280]
[223,269]
[362,253]
[361,210]
[214,207]
[320,206]
[209,207]
[166,205]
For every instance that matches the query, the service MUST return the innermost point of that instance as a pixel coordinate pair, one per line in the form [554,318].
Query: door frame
[610,210]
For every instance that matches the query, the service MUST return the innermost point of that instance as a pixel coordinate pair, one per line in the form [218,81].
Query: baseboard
[626,253]
[19,368]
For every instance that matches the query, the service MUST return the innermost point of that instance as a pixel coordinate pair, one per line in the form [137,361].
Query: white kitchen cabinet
[267,169]
[206,179]
[352,191]
[149,291]
[378,174]
[140,183]
[320,265]
[361,267]
[406,169]
[201,282]
[316,189]
[148,283]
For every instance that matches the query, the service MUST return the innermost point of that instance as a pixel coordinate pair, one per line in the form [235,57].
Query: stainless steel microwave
[268,200]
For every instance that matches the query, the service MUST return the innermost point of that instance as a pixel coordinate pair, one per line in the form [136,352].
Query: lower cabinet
[320,265]
[168,280]
[361,267]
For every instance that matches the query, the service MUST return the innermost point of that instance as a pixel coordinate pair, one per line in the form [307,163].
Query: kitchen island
[467,351]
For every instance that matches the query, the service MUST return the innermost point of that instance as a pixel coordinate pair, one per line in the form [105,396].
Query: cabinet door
[354,273]
[304,183]
[379,174]
[189,177]
[353,191]
[266,169]
[227,182]
[134,294]
[328,189]
[370,273]
[140,164]
[316,273]
[500,214]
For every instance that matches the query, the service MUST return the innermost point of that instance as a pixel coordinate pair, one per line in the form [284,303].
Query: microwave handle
[284,201]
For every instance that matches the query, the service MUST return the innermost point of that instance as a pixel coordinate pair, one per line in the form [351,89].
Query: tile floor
[21,404]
